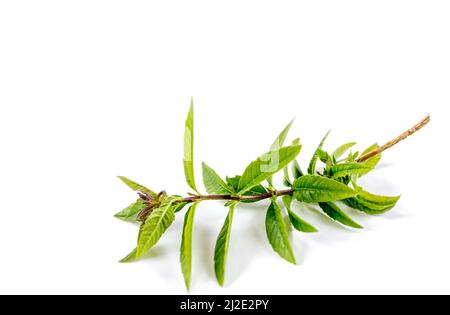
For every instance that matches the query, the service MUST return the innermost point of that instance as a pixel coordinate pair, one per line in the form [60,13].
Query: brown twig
[258,197]
[393,142]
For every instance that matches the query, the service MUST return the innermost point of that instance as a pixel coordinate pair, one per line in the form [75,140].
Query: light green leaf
[377,199]
[348,169]
[313,189]
[277,232]
[312,164]
[370,149]
[373,161]
[222,244]
[265,166]
[370,203]
[298,223]
[154,227]
[129,214]
[213,183]
[296,141]
[136,187]
[342,149]
[330,209]
[130,258]
[189,149]
[279,141]
[186,245]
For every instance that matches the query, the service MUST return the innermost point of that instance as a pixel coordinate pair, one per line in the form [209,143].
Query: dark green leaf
[189,149]
[313,189]
[186,245]
[265,166]
[312,164]
[298,223]
[154,227]
[136,187]
[257,190]
[338,215]
[129,214]
[222,244]
[233,182]
[213,183]
[277,232]
[179,206]
[296,170]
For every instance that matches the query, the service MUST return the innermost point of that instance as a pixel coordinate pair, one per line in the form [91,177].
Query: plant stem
[270,194]
[279,193]
[393,142]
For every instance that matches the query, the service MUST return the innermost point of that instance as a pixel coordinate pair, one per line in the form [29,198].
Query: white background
[94,89]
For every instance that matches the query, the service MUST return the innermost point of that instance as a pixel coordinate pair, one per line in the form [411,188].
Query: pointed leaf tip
[222,245]
[277,233]
[188,161]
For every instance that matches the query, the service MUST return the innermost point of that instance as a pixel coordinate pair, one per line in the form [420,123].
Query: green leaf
[186,245]
[370,203]
[265,166]
[129,214]
[370,149]
[229,203]
[342,149]
[179,206]
[296,141]
[296,170]
[189,149]
[377,199]
[373,161]
[348,169]
[233,182]
[324,157]
[136,187]
[298,223]
[279,141]
[338,215]
[312,164]
[213,183]
[313,189]
[222,244]
[130,258]
[154,227]
[277,232]
[286,180]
